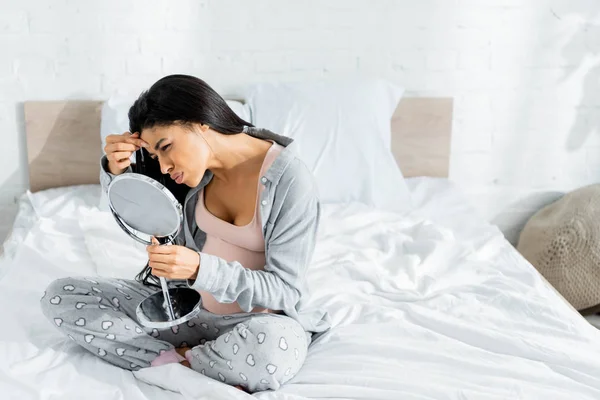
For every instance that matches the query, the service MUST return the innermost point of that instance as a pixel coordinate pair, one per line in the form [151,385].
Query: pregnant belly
[212,305]
[254,260]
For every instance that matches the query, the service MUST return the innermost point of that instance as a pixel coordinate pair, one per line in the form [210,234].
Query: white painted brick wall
[525,75]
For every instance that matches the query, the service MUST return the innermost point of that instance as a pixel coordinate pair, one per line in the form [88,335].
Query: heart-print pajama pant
[256,350]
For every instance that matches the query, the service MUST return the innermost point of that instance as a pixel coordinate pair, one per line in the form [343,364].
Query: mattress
[434,304]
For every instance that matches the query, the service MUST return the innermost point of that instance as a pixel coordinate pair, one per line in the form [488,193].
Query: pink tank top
[244,244]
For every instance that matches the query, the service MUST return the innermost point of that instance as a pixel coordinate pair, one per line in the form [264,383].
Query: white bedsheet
[432,305]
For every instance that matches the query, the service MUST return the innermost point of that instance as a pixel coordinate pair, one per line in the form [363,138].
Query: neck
[236,155]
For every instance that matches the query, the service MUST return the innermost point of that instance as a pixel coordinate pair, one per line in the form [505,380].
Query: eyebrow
[157,145]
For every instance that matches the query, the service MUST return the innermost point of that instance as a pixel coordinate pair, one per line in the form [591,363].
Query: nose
[165,166]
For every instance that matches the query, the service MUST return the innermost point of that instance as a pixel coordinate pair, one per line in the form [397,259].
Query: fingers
[164,270]
[157,249]
[127,138]
[162,267]
[118,156]
[116,138]
[119,149]
[161,258]
[122,164]
[137,142]
[119,139]
[121,146]
[140,142]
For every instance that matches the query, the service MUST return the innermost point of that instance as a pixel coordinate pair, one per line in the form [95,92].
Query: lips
[178,177]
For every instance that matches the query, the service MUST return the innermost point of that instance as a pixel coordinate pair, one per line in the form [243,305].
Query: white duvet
[431,305]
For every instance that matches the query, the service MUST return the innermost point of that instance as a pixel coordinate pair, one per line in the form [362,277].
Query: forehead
[155,133]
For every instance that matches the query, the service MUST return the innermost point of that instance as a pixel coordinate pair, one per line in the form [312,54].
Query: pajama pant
[259,351]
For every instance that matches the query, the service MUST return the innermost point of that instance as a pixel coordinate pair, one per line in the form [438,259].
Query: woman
[250,218]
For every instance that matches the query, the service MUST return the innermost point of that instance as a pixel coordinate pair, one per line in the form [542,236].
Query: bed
[433,304]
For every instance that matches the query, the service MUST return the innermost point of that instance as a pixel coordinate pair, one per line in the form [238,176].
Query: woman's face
[182,154]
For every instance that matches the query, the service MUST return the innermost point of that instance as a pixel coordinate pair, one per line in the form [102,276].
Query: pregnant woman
[251,215]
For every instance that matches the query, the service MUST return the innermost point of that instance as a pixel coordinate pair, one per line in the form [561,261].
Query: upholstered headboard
[63,143]
[64,148]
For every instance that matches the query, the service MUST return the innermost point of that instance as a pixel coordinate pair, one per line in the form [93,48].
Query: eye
[166,147]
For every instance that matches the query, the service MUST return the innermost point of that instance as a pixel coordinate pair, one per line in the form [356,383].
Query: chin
[193,183]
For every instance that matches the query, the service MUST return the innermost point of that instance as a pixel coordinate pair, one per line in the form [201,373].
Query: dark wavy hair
[184,100]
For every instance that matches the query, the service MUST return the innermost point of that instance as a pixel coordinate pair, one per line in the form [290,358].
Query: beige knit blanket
[562,241]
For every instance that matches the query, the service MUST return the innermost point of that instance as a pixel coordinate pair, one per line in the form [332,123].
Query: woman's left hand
[173,262]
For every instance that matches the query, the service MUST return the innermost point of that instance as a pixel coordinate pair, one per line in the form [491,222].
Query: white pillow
[114,119]
[342,131]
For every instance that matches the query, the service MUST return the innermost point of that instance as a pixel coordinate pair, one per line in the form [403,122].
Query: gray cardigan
[290,212]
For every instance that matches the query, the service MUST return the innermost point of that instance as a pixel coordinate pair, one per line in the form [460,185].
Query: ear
[204,128]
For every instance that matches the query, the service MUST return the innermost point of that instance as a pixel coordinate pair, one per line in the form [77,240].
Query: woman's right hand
[119,148]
